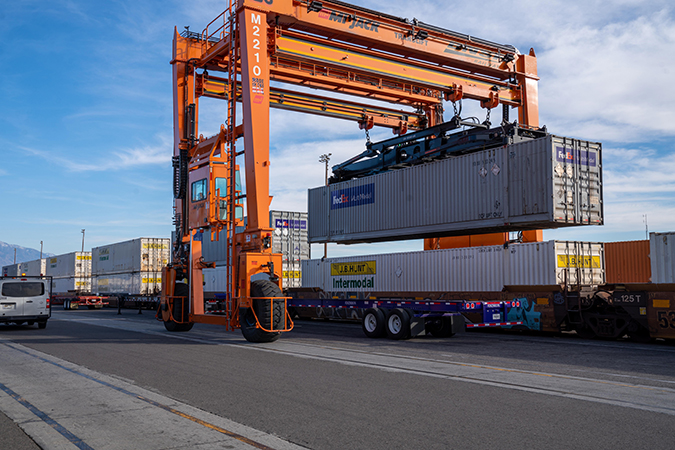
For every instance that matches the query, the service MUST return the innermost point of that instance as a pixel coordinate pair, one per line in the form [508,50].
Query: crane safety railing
[288,322]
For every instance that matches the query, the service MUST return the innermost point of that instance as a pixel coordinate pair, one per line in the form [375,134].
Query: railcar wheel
[398,324]
[373,323]
[269,313]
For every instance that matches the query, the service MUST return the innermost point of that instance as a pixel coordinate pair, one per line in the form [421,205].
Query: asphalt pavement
[325,386]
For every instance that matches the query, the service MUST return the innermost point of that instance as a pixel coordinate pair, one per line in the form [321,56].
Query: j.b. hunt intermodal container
[549,182]
[473,269]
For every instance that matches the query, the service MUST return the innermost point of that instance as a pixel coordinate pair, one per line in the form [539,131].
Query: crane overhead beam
[398,120]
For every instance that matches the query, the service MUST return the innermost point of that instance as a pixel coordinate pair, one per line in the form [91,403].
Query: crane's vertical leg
[526,73]
[256,108]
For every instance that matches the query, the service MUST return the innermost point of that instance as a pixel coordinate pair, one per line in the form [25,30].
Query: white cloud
[158,154]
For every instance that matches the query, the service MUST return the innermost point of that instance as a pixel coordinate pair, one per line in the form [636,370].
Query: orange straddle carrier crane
[326,45]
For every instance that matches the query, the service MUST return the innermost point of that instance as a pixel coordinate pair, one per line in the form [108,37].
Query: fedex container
[136,283]
[75,264]
[473,269]
[136,255]
[662,257]
[549,182]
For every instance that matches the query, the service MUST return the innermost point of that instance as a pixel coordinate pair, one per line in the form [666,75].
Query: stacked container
[70,272]
[549,182]
[290,239]
[662,257]
[131,267]
[473,269]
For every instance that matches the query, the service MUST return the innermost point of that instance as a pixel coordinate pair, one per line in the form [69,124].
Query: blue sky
[86,116]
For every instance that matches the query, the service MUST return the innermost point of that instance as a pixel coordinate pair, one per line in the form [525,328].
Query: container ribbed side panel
[662,254]
[627,262]
[473,269]
[543,183]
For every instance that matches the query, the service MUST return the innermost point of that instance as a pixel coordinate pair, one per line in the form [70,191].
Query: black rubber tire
[66,304]
[90,306]
[374,323]
[42,325]
[398,324]
[181,290]
[267,314]
[440,327]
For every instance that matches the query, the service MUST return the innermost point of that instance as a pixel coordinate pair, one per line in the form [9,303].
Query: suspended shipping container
[549,182]
[662,257]
[475,269]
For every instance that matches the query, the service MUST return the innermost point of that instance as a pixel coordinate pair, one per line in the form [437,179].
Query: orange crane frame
[327,45]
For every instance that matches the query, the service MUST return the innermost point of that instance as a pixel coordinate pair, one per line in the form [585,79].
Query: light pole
[82,239]
[324,159]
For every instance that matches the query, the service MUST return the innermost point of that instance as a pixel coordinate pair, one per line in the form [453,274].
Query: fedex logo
[354,196]
[295,224]
[580,157]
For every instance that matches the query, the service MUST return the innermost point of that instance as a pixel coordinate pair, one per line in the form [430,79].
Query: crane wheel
[267,314]
[181,290]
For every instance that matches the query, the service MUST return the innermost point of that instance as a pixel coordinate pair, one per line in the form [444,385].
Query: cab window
[199,190]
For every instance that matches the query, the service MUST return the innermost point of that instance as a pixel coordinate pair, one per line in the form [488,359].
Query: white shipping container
[290,235]
[75,264]
[11,270]
[473,269]
[662,257]
[36,267]
[136,283]
[549,182]
[31,268]
[292,274]
[136,255]
[71,284]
